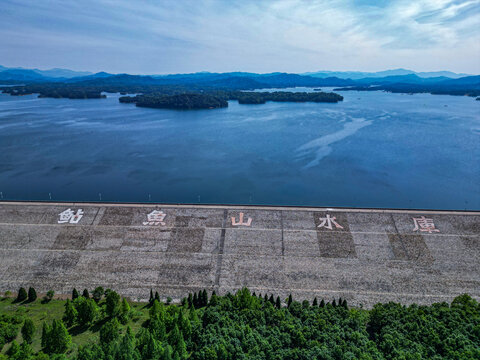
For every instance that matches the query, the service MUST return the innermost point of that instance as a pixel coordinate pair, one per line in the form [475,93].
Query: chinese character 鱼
[156,217]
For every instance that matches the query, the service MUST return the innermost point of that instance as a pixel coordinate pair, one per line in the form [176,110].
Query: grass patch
[39,311]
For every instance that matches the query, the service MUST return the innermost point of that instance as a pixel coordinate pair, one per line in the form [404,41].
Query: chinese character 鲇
[69,216]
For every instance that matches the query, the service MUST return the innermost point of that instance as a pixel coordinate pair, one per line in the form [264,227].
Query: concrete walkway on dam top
[364,256]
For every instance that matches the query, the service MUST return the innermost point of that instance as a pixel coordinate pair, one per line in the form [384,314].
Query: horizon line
[233,71]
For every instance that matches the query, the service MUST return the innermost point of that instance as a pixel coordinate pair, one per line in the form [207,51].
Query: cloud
[285,35]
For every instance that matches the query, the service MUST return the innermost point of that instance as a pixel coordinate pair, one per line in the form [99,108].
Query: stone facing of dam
[364,256]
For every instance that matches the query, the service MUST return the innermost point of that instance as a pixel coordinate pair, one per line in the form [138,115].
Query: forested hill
[469,86]
[102,326]
[91,86]
[232,81]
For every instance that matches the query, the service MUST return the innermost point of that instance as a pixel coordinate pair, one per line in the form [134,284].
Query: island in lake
[190,101]
[211,90]
[180,101]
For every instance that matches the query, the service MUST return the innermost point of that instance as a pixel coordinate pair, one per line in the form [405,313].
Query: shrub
[22,295]
[32,294]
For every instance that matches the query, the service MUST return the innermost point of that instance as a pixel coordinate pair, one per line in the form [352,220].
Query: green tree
[175,338]
[278,303]
[57,339]
[124,311]
[91,352]
[112,302]
[213,299]
[315,302]
[271,300]
[110,331]
[155,309]
[28,330]
[97,294]
[14,349]
[157,327]
[85,294]
[22,295]
[152,349]
[41,356]
[70,315]
[45,331]
[167,353]
[87,310]
[49,295]
[32,294]
[150,300]
[126,348]
[184,324]
[75,294]
[26,351]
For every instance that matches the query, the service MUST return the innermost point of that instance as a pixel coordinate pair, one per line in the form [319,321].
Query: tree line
[245,325]
[167,96]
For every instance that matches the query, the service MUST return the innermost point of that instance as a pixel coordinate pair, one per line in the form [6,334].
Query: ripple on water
[320,147]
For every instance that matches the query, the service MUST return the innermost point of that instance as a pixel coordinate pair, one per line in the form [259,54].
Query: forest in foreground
[244,325]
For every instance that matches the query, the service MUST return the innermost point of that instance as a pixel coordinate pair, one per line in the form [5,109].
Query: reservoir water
[374,149]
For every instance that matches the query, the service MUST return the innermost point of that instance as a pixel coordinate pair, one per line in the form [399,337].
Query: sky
[183,36]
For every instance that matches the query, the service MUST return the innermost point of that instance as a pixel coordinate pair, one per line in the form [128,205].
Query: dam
[362,255]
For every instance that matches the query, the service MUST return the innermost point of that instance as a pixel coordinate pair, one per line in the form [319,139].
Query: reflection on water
[373,150]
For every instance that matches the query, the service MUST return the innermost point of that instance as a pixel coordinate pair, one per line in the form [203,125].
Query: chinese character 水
[69,216]
[424,224]
[328,221]
[156,217]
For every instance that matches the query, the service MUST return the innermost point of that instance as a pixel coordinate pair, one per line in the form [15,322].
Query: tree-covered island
[284,96]
[178,102]
[218,99]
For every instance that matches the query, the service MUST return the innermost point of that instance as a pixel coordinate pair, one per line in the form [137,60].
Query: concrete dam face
[364,256]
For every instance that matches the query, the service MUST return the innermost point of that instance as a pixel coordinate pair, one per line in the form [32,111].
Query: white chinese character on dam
[424,224]
[156,217]
[327,222]
[241,222]
[69,216]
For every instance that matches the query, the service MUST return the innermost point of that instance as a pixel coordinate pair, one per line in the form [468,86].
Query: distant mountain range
[355,75]
[66,74]
[33,74]
[392,80]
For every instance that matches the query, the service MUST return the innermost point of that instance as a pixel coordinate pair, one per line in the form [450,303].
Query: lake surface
[374,149]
